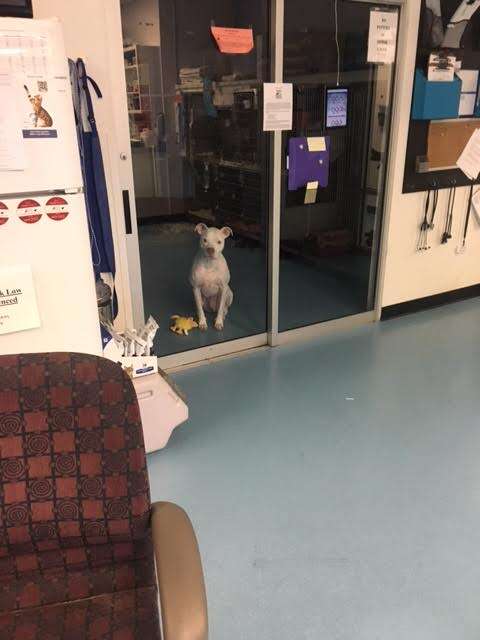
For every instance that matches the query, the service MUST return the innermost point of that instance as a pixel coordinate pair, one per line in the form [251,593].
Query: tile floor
[335,485]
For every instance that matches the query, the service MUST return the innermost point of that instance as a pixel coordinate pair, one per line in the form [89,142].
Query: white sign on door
[277,106]
[18,302]
[382,36]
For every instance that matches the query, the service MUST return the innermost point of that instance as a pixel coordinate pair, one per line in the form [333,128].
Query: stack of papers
[191,76]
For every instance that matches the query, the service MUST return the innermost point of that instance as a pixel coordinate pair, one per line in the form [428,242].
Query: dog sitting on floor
[210,276]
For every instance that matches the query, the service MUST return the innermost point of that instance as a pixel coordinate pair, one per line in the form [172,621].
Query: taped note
[231,40]
[316,144]
[311,193]
[382,36]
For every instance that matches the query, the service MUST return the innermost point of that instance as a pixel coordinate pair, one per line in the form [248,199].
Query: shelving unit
[143,90]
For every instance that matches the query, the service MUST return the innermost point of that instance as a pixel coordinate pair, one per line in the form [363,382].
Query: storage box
[435,100]
[161,408]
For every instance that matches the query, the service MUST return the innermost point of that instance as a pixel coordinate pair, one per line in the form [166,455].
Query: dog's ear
[201,229]
[226,231]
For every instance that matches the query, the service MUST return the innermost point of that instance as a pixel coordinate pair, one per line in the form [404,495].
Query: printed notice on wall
[18,302]
[27,59]
[382,36]
[476,204]
[277,106]
[469,160]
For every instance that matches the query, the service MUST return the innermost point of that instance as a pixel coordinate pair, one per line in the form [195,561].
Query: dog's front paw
[203,325]
[218,324]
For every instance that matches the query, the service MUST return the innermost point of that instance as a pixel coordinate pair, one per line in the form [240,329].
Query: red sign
[29,211]
[3,213]
[233,40]
[56,208]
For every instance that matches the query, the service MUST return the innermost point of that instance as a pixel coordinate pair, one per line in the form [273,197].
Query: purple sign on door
[306,166]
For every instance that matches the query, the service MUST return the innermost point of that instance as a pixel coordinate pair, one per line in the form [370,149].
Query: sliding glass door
[200,163]
[338,147]
[286,225]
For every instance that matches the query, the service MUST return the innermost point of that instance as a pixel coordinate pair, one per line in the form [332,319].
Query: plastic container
[161,409]
[435,100]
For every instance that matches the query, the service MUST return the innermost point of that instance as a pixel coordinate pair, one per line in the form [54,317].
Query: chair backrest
[72,459]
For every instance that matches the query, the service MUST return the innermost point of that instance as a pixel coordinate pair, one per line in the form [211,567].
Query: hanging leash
[431,225]
[447,233]
[422,244]
[462,247]
[428,224]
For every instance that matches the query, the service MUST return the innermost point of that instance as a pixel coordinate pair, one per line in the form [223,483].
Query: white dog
[210,276]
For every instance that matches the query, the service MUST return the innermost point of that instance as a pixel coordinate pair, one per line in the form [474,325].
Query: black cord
[444,239]
[447,234]
[467,217]
[423,235]
[434,208]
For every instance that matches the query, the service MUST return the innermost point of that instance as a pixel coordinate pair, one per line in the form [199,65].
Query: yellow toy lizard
[182,325]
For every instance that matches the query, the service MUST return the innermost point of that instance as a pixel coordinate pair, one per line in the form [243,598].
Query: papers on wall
[18,303]
[469,78]
[469,160]
[466,106]
[24,53]
[12,149]
[382,36]
[233,40]
[27,57]
[476,203]
[468,96]
[441,68]
[277,106]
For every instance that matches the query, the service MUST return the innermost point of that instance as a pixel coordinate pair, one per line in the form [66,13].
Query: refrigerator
[43,219]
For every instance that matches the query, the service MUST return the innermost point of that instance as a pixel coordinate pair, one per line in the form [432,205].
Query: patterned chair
[78,535]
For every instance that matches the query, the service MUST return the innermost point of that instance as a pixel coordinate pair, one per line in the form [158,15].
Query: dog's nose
[211,251]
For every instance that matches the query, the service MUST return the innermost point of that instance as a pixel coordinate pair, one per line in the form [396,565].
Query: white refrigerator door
[34,72]
[50,234]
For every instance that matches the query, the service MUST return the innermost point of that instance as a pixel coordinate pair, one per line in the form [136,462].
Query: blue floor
[335,486]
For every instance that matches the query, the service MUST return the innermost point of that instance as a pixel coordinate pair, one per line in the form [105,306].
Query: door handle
[126,212]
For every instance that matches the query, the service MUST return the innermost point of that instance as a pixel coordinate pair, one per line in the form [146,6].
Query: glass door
[200,167]
[234,228]
[333,181]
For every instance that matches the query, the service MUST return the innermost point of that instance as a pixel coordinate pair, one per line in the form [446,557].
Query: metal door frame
[272,336]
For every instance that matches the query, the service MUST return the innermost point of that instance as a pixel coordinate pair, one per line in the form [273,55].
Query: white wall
[410,274]
[84,27]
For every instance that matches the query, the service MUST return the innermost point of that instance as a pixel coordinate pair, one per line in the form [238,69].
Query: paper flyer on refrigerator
[18,302]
